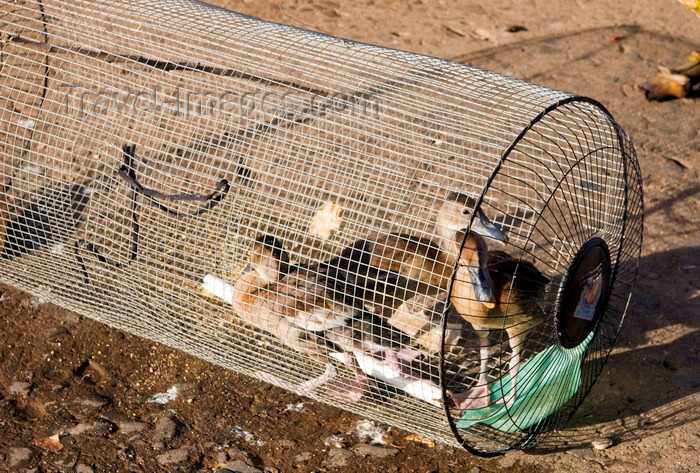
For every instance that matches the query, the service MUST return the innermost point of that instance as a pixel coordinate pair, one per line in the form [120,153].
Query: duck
[385,270]
[507,295]
[294,304]
[284,301]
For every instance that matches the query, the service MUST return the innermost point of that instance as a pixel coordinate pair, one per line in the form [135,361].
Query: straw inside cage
[276,201]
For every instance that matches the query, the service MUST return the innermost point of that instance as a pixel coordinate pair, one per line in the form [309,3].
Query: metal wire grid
[574,176]
[400,132]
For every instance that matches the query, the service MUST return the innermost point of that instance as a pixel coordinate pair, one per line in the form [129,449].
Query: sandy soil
[62,373]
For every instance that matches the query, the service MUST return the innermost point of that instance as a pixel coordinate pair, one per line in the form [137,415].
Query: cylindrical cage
[438,247]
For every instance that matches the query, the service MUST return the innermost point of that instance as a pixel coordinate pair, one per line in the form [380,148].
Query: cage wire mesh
[438,247]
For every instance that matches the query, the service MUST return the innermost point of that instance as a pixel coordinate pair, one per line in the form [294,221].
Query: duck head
[455,215]
[268,258]
[474,258]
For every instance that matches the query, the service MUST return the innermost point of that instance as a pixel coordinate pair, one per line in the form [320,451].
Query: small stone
[165,430]
[56,331]
[372,432]
[365,450]
[239,466]
[20,388]
[67,463]
[127,428]
[653,456]
[284,443]
[475,469]
[584,453]
[602,444]
[235,453]
[338,457]
[166,397]
[70,318]
[178,455]
[92,428]
[303,457]
[16,456]
[95,401]
[83,468]
[26,123]
[506,461]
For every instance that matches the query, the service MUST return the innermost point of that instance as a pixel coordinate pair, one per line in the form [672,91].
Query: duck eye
[465,211]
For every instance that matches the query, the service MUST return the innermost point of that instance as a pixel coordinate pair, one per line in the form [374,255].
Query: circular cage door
[567,192]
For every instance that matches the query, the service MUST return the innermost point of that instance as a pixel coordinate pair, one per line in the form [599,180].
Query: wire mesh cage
[439,247]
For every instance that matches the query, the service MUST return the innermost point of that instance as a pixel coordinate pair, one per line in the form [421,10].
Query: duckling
[453,220]
[265,298]
[289,302]
[387,269]
[295,305]
[378,354]
[255,299]
[515,290]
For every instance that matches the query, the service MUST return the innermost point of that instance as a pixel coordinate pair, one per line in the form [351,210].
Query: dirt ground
[61,373]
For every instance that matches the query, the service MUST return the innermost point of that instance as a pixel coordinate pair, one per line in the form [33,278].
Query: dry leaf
[665,84]
[50,444]
[682,163]
[691,68]
[673,83]
[693,5]
[421,439]
[326,220]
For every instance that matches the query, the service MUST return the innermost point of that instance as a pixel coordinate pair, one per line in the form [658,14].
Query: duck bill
[482,286]
[486,228]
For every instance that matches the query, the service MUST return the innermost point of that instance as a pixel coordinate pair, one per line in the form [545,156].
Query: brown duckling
[296,306]
[284,303]
[517,289]
[387,269]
